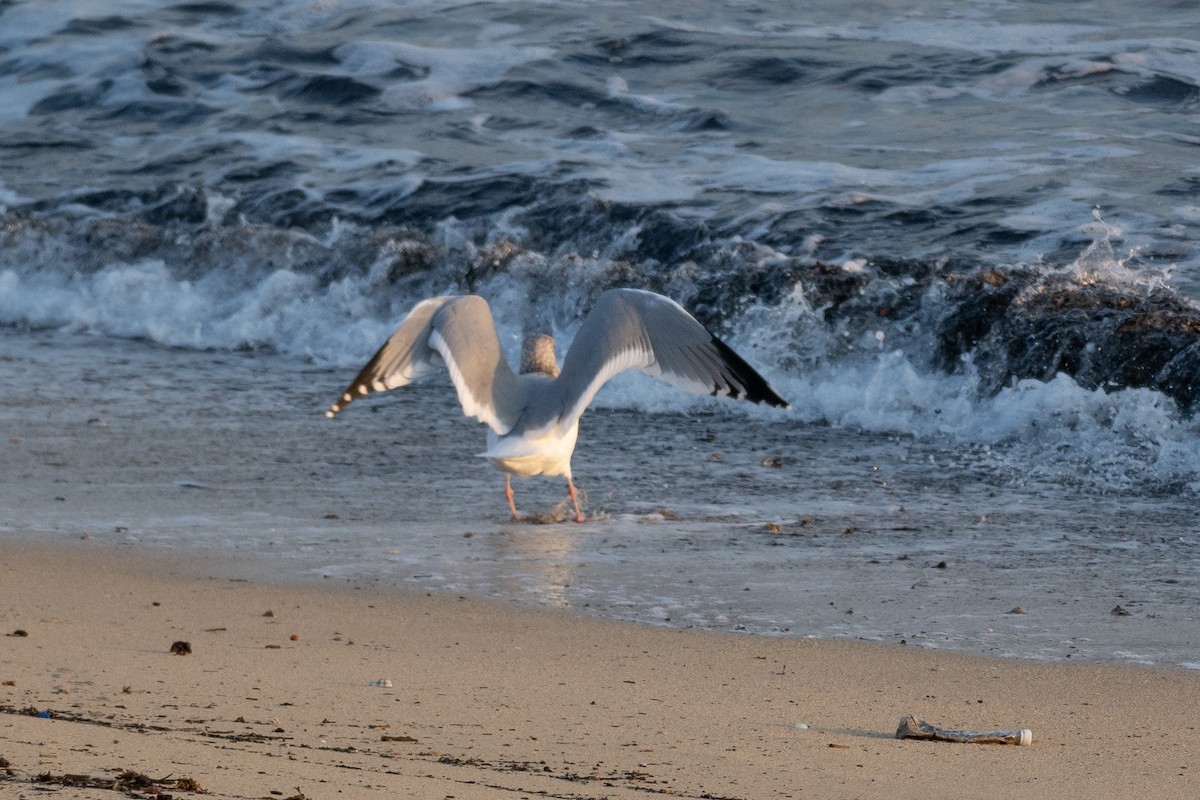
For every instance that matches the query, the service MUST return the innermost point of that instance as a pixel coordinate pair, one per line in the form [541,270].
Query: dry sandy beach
[489,700]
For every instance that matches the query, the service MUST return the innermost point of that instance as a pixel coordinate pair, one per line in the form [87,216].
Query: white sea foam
[1118,438]
[284,311]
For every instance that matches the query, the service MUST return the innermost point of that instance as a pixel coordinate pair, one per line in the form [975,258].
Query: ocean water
[960,237]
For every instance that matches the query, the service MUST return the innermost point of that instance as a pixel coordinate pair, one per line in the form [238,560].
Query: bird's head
[537,355]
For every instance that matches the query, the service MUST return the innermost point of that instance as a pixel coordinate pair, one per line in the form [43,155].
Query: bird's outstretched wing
[460,332]
[633,328]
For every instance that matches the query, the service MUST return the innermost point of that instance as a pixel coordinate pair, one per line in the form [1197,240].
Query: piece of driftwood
[913,728]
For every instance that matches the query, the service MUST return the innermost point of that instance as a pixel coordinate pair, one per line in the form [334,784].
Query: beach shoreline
[492,699]
[852,536]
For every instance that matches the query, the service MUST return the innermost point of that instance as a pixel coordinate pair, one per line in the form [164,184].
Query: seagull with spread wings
[533,416]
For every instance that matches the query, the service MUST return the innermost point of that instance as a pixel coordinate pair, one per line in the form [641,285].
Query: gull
[533,416]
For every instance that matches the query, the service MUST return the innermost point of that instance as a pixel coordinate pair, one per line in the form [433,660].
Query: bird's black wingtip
[754,386]
[770,398]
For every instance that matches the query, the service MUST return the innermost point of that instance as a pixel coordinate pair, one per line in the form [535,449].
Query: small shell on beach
[181,648]
[772,461]
[382,682]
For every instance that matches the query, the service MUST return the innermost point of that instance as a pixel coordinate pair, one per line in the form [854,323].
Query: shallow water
[854,534]
[959,237]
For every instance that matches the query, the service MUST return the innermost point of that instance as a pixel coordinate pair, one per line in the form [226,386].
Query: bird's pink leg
[574,495]
[508,492]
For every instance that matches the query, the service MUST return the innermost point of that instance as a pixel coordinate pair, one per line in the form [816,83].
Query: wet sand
[491,699]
